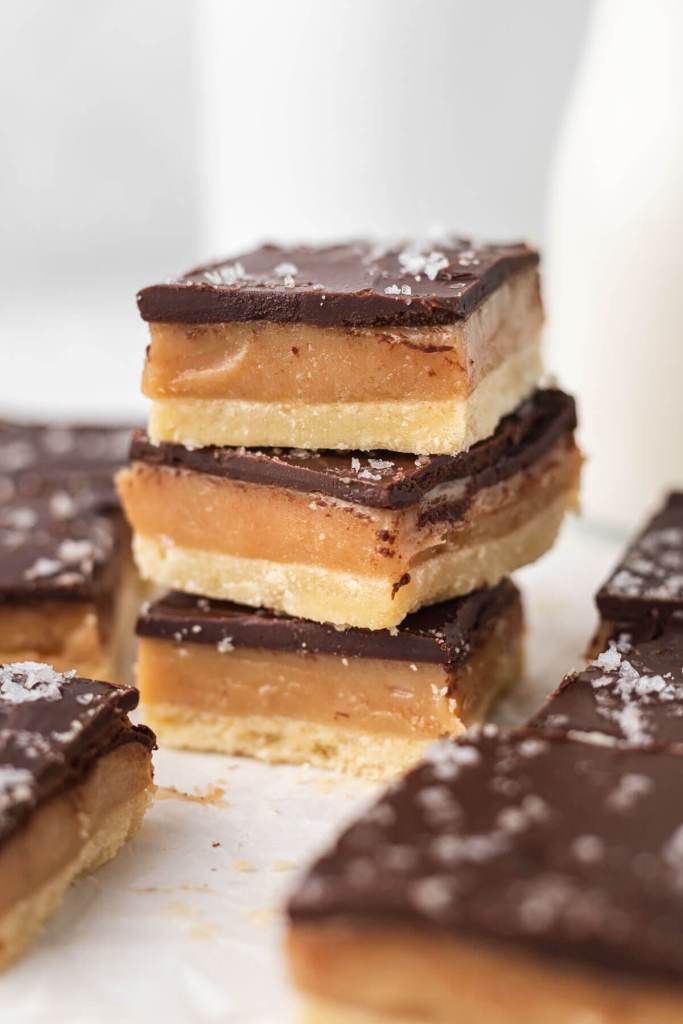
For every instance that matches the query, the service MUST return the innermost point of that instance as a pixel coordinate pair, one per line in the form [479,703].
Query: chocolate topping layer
[384,479]
[442,633]
[53,727]
[61,529]
[358,284]
[58,542]
[648,582]
[36,453]
[569,850]
[632,692]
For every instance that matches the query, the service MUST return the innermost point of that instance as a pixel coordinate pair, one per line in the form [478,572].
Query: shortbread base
[350,599]
[422,427]
[355,974]
[287,741]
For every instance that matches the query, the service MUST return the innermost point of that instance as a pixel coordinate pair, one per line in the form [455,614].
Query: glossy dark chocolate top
[60,525]
[356,284]
[649,579]
[632,692]
[53,727]
[38,452]
[59,540]
[442,633]
[385,479]
[570,850]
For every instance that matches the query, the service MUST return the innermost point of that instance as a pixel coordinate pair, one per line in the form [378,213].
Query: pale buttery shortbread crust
[300,708]
[430,426]
[350,598]
[353,974]
[90,823]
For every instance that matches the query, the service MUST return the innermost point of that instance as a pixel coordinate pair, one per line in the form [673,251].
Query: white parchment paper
[185,924]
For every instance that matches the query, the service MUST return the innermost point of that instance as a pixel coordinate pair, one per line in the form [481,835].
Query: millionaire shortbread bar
[68,591]
[220,676]
[75,780]
[352,539]
[409,348]
[511,879]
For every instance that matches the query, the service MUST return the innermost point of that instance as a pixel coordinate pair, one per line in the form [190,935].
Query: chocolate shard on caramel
[440,634]
[53,727]
[632,692]
[523,844]
[385,479]
[357,284]
[646,587]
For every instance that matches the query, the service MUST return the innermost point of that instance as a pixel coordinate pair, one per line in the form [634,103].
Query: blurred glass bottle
[615,256]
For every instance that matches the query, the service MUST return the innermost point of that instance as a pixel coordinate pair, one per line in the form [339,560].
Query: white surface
[389,117]
[614,265]
[179,930]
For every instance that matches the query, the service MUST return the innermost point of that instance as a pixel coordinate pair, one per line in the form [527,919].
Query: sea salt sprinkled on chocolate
[16,787]
[286,270]
[31,681]
[433,895]
[42,567]
[62,505]
[16,455]
[19,518]
[70,734]
[228,273]
[417,263]
[672,852]
[225,645]
[630,789]
[588,849]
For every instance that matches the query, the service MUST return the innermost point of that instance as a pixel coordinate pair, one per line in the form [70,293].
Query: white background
[139,137]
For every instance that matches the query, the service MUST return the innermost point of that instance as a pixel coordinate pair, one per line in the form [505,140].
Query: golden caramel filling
[196,510]
[367,694]
[272,362]
[55,834]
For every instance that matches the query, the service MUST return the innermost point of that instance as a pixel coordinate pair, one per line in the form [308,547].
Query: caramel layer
[376,974]
[278,362]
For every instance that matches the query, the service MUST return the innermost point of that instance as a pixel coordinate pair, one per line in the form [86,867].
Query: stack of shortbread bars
[348,452]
